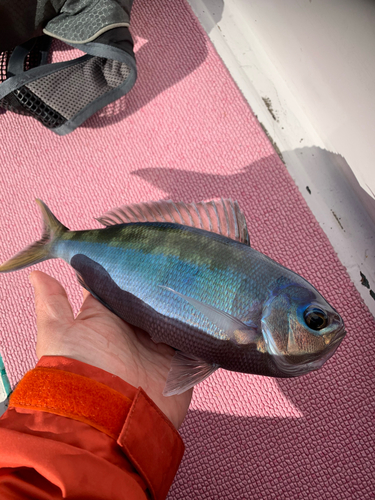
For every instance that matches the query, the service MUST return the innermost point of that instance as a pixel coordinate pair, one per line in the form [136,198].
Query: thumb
[53,311]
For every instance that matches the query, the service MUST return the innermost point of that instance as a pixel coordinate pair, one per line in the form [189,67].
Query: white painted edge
[334,198]
[3,394]
[3,398]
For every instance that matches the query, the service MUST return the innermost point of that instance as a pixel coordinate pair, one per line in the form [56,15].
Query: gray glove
[63,95]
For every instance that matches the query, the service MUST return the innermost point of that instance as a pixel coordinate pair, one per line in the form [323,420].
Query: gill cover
[295,347]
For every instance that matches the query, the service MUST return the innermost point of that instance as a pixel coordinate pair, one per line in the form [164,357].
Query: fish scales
[141,257]
[215,299]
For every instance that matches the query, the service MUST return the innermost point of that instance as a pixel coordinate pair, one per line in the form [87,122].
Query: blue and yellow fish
[187,275]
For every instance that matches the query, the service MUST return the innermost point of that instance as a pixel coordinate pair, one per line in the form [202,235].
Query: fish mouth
[315,364]
[310,363]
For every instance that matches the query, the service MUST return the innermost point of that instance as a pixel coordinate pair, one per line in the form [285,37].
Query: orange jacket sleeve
[78,432]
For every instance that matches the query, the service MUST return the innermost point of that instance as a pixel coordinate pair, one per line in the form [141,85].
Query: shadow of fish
[186,274]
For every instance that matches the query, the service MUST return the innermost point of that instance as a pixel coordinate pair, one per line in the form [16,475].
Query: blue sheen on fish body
[139,260]
[148,260]
[216,300]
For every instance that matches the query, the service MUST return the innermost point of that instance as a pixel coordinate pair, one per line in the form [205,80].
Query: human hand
[100,338]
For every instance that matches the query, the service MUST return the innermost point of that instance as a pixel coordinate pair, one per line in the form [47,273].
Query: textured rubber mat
[185,132]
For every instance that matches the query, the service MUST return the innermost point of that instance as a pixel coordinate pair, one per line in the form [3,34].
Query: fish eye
[315,318]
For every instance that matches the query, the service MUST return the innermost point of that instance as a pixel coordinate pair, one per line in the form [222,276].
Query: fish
[187,275]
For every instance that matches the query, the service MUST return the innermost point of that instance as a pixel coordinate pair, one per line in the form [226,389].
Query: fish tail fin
[40,250]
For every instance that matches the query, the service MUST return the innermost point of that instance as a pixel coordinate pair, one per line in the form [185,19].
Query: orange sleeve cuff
[73,389]
[56,391]
[152,444]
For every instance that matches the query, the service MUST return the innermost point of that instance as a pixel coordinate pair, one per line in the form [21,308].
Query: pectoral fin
[237,332]
[186,371]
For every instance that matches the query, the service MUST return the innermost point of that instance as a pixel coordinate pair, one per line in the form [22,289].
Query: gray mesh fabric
[115,72]
[63,95]
[71,89]
[23,101]
[81,21]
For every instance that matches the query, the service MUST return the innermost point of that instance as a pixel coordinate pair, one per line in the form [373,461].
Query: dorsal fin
[221,216]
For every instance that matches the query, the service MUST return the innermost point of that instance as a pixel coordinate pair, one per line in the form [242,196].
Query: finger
[90,304]
[52,307]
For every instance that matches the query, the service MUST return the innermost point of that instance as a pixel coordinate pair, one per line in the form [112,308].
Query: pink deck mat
[186,133]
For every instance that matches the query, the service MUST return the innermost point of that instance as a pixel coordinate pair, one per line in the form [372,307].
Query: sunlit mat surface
[185,132]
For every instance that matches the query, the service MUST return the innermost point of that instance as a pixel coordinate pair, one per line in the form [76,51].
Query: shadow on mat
[242,458]
[162,59]
[204,186]
[310,456]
